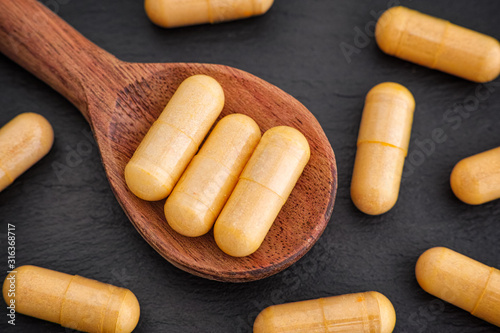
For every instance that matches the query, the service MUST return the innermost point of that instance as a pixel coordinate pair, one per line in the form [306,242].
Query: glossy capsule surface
[461,281]
[23,141]
[369,312]
[383,140]
[438,44]
[176,13]
[476,179]
[174,138]
[261,191]
[71,300]
[205,186]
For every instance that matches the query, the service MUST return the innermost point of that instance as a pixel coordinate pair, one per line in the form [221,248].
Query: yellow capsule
[369,312]
[205,186]
[461,281]
[174,138]
[438,44]
[383,139]
[71,300]
[23,141]
[176,13]
[263,188]
[476,179]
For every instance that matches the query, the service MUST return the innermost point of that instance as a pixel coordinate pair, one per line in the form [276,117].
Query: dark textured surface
[69,220]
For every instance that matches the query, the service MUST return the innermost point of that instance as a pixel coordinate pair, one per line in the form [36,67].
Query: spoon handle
[45,45]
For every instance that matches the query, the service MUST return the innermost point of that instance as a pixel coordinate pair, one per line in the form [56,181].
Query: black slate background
[70,221]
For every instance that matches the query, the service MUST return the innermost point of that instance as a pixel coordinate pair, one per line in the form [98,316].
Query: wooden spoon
[121,100]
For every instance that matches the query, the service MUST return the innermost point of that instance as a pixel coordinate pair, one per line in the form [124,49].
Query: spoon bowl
[121,101]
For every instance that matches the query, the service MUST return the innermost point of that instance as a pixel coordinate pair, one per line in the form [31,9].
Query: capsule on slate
[369,312]
[438,44]
[383,139]
[176,13]
[23,141]
[476,179]
[462,281]
[71,300]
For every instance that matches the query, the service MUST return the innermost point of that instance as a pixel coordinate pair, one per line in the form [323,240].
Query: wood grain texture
[121,101]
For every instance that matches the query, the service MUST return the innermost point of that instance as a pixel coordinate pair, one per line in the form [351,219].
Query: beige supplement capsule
[174,138]
[23,141]
[438,44]
[369,312]
[383,139]
[261,191]
[476,179]
[205,186]
[461,281]
[71,300]
[176,13]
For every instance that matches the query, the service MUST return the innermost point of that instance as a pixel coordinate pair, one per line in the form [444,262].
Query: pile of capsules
[383,140]
[236,178]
